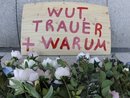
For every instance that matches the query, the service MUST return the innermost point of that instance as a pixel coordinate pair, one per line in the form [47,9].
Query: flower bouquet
[87,78]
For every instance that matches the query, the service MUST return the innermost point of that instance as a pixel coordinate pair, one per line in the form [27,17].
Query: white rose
[40,72]
[53,63]
[16,54]
[27,75]
[114,94]
[46,61]
[95,59]
[60,72]
[83,55]
[126,69]
[33,54]
[100,64]
[29,62]
[33,76]
[46,74]
[58,82]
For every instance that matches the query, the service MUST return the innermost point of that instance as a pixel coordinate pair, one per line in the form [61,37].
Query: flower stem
[45,84]
[67,88]
[26,95]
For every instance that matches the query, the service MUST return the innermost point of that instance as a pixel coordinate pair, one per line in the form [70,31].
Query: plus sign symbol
[28,44]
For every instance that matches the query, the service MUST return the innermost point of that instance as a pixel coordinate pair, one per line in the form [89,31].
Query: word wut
[68,25]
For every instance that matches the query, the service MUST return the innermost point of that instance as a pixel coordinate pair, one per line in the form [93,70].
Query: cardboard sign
[65,28]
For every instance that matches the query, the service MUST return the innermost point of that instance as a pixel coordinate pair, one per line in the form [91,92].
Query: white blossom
[46,61]
[34,54]
[16,54]
[115,94]
[58,82]
[55,64]
[30,63]
[100,64]
[27,75]
[94,59]
[52,63]
[40,72]
[46,74]
[60,72]
[83,55]
[126,69]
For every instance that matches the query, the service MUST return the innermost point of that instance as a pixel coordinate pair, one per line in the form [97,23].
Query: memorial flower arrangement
[87,78]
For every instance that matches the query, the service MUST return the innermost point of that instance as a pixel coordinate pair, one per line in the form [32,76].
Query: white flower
[16,54]
[40,72]
[46,61]
[60,72]
[29,62]
[95,59]
[53,63]
[33,54]
[46,74]
[115,94]
[27,75]
[58,82]
[83,55]
[100,64]
[126,69]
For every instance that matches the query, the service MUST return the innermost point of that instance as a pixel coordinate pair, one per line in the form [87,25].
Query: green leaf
[26,65]
[84,65]
[77,97]
[9,95]
[49,94]
[16,82]
[70,87]
[73,93]
[97,96]
[73,82]
[74,71]
[108,66]
[19,91]
[128,92]
[31,90]
[62,63]
[79,92]
[102,76]
[81,87]
[106,83]
[44,91]
[109,73]
[81,69]
[91,68]
[109,96]
[18,86]
[63,92]
[105,91]
[120,68]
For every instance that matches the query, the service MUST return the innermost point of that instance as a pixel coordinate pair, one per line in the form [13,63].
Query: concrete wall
[11,14]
